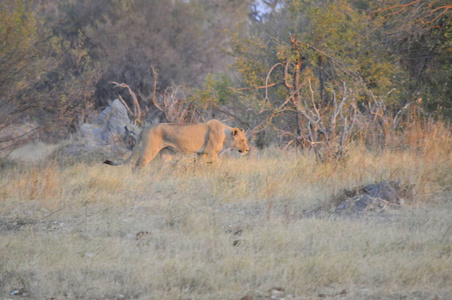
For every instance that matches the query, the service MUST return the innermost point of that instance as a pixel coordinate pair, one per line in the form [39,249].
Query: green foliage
[380,54]
[434,84]
[214,92]
[18,38]
[43,77]
[415,35]
[252,58]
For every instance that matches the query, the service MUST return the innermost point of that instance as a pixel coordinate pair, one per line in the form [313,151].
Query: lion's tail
[132,155]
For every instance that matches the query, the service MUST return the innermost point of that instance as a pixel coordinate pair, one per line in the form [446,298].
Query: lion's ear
[235,131]
[243,130]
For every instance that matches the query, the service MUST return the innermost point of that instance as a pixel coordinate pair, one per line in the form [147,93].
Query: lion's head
[239,140]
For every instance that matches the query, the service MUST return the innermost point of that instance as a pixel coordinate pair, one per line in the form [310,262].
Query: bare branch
[396,6]
[136,104]
[125,104]
[255,87]
[155,77]
[268,77]
[274,113]
[286,75]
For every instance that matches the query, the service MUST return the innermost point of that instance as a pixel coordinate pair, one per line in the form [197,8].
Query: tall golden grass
[236,228]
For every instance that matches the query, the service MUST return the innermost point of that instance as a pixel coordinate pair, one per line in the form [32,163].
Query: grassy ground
[224,231]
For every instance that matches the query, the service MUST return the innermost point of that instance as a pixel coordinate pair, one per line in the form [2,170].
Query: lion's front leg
[145,158]
[167,156]
[215,157]
[203,157]
[208,157]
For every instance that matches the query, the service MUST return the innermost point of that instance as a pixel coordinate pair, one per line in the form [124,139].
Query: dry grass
[194,231]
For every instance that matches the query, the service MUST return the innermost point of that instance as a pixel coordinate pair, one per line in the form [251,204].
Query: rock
[105,136]
[384,190]
[92,134]
[276,293]
[372,197]
[109,128]
[112,120]
[19,292]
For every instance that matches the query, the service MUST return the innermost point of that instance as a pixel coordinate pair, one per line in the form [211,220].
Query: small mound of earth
[380,199]
[369,198]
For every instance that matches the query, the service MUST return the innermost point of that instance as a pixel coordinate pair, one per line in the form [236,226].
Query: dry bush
[169,106]
[175,107]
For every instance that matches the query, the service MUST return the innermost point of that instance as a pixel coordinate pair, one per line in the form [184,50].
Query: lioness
[206,139]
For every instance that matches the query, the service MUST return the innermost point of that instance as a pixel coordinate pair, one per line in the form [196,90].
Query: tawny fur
[206,139]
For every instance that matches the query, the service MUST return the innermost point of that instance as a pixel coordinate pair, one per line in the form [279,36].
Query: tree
[298,64]
[419,34]
[44,80]
[181,39]
[20,65]
[305,72]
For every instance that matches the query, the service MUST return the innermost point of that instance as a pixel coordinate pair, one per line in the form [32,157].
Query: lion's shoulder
[215,124]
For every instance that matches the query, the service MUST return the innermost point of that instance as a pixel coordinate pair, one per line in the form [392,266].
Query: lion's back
[184,138]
